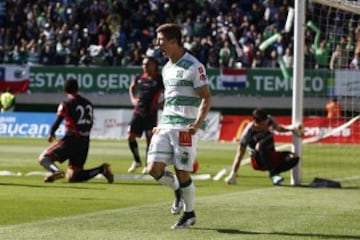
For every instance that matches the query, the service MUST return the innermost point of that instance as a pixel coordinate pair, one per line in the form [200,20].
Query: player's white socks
[48,164]
[170,180]
[188,194]
[232,174]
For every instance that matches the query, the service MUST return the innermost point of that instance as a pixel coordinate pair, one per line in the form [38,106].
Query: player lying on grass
[78,114]
[258,136]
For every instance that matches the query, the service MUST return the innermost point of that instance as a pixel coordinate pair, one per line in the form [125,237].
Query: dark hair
[152,59]
[71,86]
[259,115]
[171,31]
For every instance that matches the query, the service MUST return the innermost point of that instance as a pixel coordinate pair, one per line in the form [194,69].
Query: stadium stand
[120,32]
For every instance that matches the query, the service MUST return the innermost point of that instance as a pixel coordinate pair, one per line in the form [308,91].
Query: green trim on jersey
[178,120]
[174,120]
[178,83]
[185,63]
[182,101]
[166,153]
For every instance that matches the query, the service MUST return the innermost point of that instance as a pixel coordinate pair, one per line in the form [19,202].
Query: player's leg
[77,159]
[135,130]
[288,160]
[187,187]
[267,160]
[263,157]
[148,135]
[149,124]
[56,152]
[77,174]
[280,164]
[185,146]
[159,156]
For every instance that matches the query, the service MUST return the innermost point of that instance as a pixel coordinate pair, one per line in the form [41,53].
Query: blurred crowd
[221,33]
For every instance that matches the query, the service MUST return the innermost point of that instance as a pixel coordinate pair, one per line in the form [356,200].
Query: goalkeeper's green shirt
[7,101]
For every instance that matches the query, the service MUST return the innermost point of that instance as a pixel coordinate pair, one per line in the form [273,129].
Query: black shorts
[140,123]
[73,148]
[280,160]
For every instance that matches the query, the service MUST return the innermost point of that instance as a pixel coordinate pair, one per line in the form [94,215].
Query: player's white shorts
[173,147]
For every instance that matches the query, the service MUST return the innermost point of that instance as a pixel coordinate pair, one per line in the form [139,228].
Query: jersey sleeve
[244,139]
[273,124]
[200,77]
[61,110]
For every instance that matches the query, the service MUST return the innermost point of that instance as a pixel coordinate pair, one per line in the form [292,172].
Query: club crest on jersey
[201,70]
[180,74]
[184,157]
[203,77]
[202,74]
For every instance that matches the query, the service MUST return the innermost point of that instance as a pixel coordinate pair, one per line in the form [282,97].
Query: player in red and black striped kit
[74,146]
[258,137]
[145,91]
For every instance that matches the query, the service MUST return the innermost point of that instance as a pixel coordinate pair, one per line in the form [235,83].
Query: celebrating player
[187,102]
[144,93]
[78,114]
[258,135]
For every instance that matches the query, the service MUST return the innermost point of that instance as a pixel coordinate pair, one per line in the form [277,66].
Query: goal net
[332,53]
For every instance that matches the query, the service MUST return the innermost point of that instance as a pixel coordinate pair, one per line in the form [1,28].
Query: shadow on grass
[308,186]
[320,235]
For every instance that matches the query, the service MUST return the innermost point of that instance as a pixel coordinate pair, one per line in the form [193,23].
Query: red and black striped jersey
[78,114]
[250,137]
[148,91]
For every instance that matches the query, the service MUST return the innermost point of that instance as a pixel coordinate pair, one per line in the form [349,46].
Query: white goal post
[298,85]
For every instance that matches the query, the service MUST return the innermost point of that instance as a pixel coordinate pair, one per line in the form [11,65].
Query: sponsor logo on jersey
[179,74]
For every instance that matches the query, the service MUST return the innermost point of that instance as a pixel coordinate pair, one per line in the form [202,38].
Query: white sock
[189,197]
[170,180]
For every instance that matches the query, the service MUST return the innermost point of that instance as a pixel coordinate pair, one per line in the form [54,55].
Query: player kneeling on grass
[258,136]
[78,114]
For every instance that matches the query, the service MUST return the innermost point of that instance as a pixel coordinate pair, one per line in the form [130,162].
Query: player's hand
[134,101]
[51,138]
[155,130]
[299,130]
[192,128]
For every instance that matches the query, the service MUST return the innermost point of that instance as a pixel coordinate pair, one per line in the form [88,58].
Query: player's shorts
[173,147]
[140,123]
[73,148]
[277,159]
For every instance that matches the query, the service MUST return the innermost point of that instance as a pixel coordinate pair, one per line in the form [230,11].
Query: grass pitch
[140,209]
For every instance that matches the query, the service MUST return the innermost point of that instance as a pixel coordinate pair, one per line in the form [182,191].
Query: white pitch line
[119,210]
[204,176]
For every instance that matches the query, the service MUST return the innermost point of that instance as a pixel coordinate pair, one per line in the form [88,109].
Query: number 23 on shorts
[185,139]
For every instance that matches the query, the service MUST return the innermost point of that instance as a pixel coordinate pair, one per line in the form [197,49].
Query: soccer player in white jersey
[187,102]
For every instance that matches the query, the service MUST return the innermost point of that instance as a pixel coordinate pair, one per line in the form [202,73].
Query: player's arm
[237,159]
[133,97]
[231,178]
[297,130]
[205,95]
[54,127]
[161,101]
